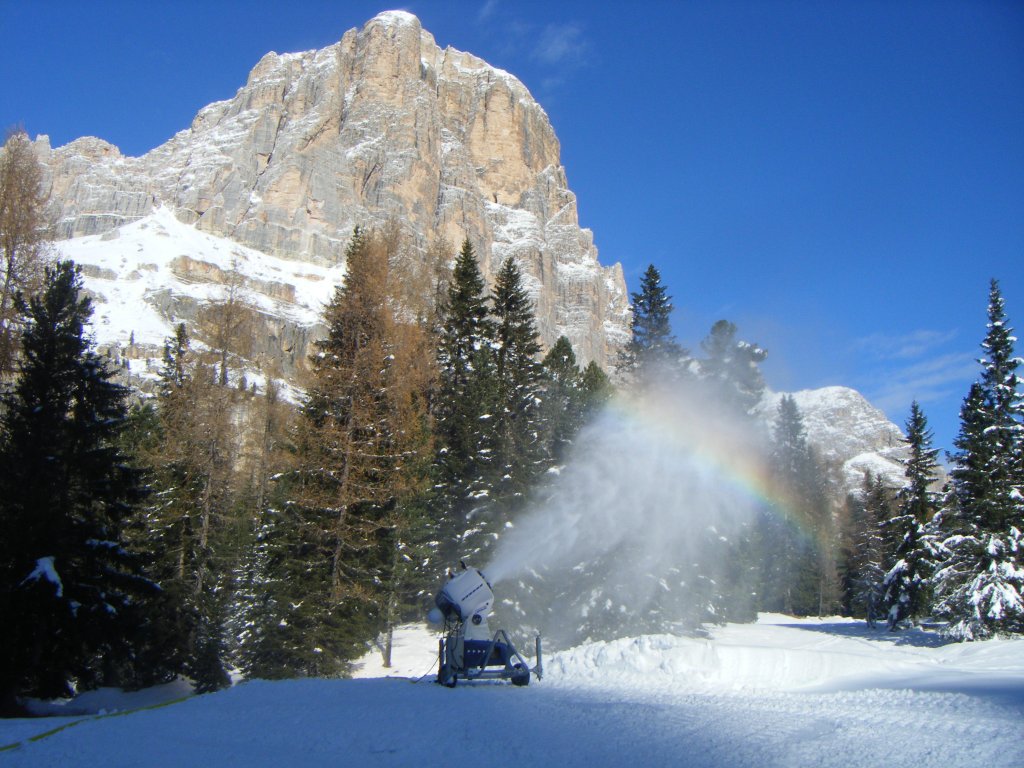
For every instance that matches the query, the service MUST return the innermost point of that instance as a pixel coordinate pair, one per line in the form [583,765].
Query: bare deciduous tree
[227,325]
[23,236]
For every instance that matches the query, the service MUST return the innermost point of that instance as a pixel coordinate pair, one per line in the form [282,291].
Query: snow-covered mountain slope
[783,692]
[851,435]
[149,275]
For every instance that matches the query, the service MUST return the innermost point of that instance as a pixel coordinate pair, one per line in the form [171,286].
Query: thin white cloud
[562,44]
[906,346]
[928,381]
[487,10]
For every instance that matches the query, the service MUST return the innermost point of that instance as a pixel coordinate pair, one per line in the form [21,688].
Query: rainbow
[717,444]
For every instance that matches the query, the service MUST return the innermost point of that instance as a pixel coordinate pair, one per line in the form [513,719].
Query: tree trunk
[388,642]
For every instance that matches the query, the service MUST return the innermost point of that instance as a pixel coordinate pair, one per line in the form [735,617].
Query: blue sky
[840,180]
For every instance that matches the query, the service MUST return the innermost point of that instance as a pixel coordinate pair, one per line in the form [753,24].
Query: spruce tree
[731,369]
[905,583]
[464,406]
[597,388]
[653,352]
[979,585]
[865,556]
[798,577]
[258,590]
[69,588]
[562,410]
[518,372]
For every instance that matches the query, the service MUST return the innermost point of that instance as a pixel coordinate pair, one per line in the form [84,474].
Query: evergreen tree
[866,555]
[258,593]
[652,352]
[798,567]
[69,589]
[905,594]
[518,375]
[731,369]
[464,407]
[563,402]
[174,372]
[979,585]
[596,387]
[162,654]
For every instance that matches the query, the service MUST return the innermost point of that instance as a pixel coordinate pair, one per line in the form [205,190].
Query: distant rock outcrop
[850,435]
[382,126]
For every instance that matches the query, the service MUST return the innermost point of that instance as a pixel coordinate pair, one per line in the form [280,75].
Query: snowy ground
[783,692]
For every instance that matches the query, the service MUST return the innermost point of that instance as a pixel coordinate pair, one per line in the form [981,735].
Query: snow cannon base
[494,659]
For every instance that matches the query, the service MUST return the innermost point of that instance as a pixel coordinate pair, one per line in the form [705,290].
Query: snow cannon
[468,650]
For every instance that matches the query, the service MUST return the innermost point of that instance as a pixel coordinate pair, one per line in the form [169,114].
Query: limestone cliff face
[382,126]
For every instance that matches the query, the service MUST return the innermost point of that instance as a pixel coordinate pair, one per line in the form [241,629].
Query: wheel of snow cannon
[446,676]
[520,675]
[445,672]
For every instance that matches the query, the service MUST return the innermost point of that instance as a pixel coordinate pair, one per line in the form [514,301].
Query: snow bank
[783,654]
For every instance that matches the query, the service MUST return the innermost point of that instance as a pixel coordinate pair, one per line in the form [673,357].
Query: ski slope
[782,692]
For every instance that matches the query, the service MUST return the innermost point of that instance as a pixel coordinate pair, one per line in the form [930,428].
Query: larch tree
[226,324]
[191,512]
[361,449]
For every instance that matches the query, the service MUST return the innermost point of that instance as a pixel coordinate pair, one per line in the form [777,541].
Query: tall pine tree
[979,586]
[797,576]
[865,553]
[464,409]
[69,588]
[731,369]
[905,583]
[518,374]
[653,352]
[562,410]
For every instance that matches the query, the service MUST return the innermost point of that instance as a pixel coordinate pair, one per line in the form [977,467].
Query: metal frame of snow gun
[498,660]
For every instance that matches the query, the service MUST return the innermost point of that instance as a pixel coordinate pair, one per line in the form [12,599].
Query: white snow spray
[655,485]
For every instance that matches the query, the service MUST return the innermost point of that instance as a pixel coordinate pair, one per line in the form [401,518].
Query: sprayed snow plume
[637,531]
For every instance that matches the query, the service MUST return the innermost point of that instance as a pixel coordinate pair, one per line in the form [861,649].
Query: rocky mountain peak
[850,435]
[383,126]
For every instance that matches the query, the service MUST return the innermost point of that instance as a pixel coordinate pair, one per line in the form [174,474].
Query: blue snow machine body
[468,650]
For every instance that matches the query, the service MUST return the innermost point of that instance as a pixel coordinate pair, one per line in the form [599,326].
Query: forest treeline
[218,526]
